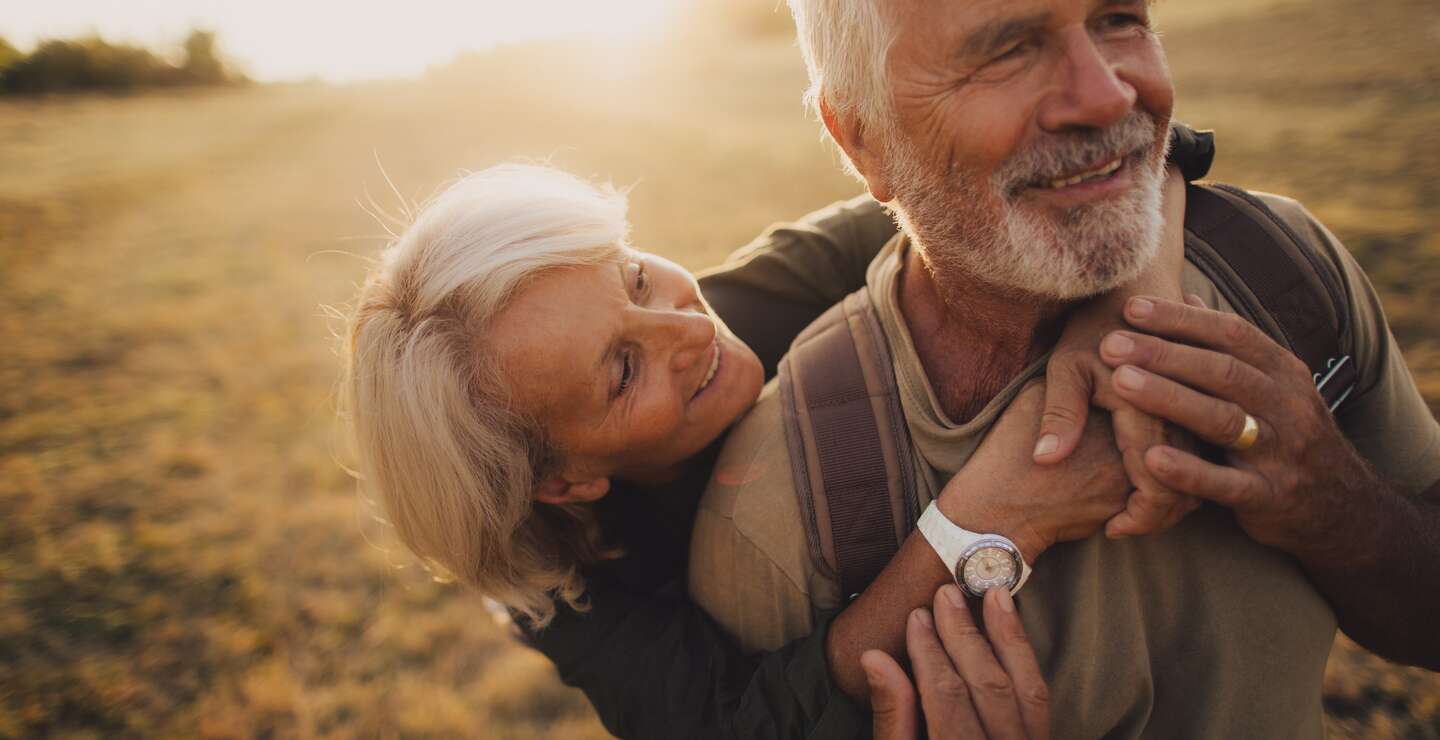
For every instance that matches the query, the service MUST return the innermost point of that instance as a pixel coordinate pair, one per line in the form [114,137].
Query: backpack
[848,441]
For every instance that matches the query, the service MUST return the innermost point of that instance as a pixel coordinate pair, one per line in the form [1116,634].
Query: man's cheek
[1153,84]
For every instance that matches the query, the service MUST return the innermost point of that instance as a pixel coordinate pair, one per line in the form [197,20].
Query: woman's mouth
[714,368]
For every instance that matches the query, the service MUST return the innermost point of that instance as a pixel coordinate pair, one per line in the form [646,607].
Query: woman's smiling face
[624,365]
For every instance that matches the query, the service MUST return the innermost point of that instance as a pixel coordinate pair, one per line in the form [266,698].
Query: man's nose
[1092,93]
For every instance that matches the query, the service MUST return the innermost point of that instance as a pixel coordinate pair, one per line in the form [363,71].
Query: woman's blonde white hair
[451,462]
[846,46]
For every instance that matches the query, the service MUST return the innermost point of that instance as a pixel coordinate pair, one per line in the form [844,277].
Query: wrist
[1354,525]
[972,513]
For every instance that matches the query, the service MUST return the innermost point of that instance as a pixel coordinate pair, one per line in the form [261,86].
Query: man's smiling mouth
[1103,171]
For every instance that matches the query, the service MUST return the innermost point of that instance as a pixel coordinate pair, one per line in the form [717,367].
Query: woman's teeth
[714,365]
[1101,171]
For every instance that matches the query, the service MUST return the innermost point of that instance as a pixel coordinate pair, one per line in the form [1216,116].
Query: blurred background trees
[94,64]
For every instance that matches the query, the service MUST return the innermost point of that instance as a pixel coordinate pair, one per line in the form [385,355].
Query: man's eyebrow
[996,34]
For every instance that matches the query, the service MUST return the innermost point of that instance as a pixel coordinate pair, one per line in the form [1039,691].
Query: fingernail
[1130,379]
[1118,345]
[923,617]
[871,676]
[952,594]
[1141,308]
[1047,444]
[1195,300]
[1007,602]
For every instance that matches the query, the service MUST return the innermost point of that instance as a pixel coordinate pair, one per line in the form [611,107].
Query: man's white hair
[846,44]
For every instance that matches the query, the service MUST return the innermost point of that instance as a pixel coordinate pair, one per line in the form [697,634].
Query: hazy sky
[286,39]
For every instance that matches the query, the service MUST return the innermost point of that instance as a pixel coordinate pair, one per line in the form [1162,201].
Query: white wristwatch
[979,562]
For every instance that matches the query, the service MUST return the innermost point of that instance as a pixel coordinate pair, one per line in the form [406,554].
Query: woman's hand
[970,687]
[1076,378]
[1002,490]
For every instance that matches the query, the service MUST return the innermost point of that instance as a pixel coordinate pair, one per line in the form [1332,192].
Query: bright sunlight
[334,39]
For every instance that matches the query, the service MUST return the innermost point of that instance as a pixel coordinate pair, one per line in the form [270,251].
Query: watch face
[987,566]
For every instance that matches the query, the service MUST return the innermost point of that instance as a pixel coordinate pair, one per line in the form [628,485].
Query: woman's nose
[685,334]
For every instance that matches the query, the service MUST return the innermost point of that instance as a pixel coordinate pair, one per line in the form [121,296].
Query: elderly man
[997,77]
[1021,144]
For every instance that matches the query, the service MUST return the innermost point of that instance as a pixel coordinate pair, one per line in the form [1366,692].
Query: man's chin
[1082,252]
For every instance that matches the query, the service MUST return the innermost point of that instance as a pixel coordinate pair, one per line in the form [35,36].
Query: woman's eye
[627,373]
[642,279]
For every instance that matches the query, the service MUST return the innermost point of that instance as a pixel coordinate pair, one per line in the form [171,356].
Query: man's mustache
[1055,156]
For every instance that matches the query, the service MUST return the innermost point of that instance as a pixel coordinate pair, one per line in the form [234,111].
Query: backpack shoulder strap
[1275,280]
[848,442]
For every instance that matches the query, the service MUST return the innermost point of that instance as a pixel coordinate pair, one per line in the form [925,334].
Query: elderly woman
[535,404]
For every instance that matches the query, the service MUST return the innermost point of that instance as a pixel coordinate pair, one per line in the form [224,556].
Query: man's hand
[1002,489]
[970,687]
[1204,370]
[1076,377]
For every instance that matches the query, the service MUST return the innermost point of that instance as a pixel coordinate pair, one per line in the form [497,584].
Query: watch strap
[949,541]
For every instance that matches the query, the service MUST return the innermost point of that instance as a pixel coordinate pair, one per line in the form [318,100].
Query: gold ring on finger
[1248,435]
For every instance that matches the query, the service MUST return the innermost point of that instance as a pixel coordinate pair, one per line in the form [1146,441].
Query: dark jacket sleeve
[651,661]
[773,287]
[656,666]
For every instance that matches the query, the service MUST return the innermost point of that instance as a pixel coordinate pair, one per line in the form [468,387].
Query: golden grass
[181,554]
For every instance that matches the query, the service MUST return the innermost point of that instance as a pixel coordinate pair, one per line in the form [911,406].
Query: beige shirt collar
[941,444]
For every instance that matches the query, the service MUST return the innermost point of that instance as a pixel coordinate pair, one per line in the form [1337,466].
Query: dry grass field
[181,553]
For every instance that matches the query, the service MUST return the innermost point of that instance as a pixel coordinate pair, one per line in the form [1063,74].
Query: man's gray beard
[1080,252]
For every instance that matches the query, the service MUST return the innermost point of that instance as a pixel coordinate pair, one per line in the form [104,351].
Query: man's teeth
[1102,171]
[714,365]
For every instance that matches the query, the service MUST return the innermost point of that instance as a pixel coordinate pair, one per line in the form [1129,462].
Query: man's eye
[1010,53]
[627,373]
[1122,22]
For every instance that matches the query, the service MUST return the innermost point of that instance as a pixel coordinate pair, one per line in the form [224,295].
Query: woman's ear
[557,490]
[865,154]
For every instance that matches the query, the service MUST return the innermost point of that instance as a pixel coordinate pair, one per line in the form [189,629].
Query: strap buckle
[1323,378]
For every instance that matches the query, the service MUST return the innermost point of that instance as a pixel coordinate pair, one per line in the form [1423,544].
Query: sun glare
[338,40]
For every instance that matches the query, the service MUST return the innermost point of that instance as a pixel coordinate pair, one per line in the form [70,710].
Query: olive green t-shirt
[1198,632]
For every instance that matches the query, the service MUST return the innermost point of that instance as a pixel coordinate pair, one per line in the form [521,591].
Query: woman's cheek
[659,423]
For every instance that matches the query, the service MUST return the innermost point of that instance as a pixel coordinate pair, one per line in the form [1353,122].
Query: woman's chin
[732,392]
[748,378]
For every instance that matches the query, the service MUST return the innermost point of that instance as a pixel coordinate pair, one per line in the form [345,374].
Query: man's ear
[865,152]
[556,490]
